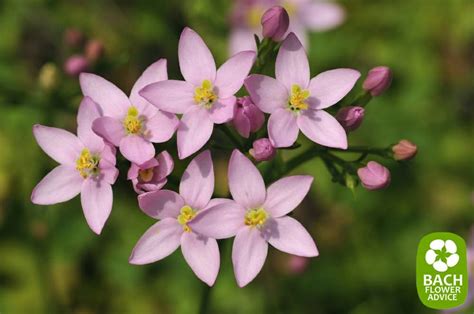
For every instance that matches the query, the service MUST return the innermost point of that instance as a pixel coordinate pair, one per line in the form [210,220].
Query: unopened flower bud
[275,22]
[262,150]
[94,50]
[350,117]
[247,117]
[76,64]
[73,37]
[404,150]
[378,80]
[374,176]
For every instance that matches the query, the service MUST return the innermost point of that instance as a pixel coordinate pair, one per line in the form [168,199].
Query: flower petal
[161,204]
[159,241]
[195,59]
[220,221]
[248,254]
[109,97]
[87,113]
[202,255]
[291,65]
[61,145]
[331,86]
[136,149]
[282,128]
[165,164]
[96,200]
[286,194]
[223,110]
[194,131]
[60,185]
[267,93]
[197,182]
[161,127]
[321,15]
[231,74]
[241,123]
[170,96]
[241,39]
[288,235]
[154,73]
[322,128]
[110,129]
[245,181]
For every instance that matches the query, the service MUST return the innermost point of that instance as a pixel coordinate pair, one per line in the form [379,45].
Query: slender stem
[302,158]
[384,152]
[225,129]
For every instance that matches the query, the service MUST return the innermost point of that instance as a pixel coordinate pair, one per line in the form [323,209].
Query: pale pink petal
[61,145]
[108,172]
[245,181]
[231,74]
[267,93]
[194,131]
[110,98]
[195,60]
[321,15]
[300,31]
[291,65]
[161,204]
[223,110]
[202,255]
[154,73]
[282,128]
[288,235]
[197,182]
[286,194]
[322,128]
[161,127]
[159,241]
[136,149]
[87,113]
[248,254]
[217,201]
[166,164]
[96,201]
[60,185]
[170,96]
[241,123]
[241,39]
[108,153]
[331,86]
[110,129]
[220,221]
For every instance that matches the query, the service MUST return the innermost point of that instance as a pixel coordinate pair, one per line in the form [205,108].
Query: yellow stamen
[204,95]
[132,122]
[297,100]
[256,217]
[87,164]
[186,214]
[146,174]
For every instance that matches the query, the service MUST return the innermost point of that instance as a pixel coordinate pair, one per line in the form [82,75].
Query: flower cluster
[204,101]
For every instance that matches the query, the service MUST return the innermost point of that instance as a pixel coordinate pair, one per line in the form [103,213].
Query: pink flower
[151,175]
[350,117]
[295,102]
[176,211]
[130,123]
[75,64]
[247,117]
[374,176]
[262,150]
[205,97]
[87,166]
[378,80]
[257,216]
[313,15]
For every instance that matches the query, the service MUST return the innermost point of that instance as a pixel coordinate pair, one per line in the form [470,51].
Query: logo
[441,270]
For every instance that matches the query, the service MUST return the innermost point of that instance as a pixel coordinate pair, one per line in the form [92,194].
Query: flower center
[256,217]
[132,123]
[186,214]
[205,95]
[87,164]
[146,174]
[297,100]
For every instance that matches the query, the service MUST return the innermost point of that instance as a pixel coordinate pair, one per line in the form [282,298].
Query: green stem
[383,152]
[225,129]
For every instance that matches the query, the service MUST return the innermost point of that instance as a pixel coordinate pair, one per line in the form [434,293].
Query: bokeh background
[51,262]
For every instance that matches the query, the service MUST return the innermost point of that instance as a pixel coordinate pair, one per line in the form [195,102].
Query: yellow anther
[256,217]
[87,164]
[205,95]
[186,214]
[146,174]
[297,100]
[132,122]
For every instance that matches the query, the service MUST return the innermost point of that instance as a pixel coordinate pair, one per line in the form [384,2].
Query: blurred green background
[50,262]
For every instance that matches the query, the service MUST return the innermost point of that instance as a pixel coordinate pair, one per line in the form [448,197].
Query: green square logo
[441,270]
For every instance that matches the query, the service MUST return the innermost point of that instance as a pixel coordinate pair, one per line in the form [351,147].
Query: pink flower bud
[350,117]
[404,150]
[73,37]
[374,176]
[76,64]
[151,175]
[247,117]
[275,22]
[94,50]
[378,80]
[262,150]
